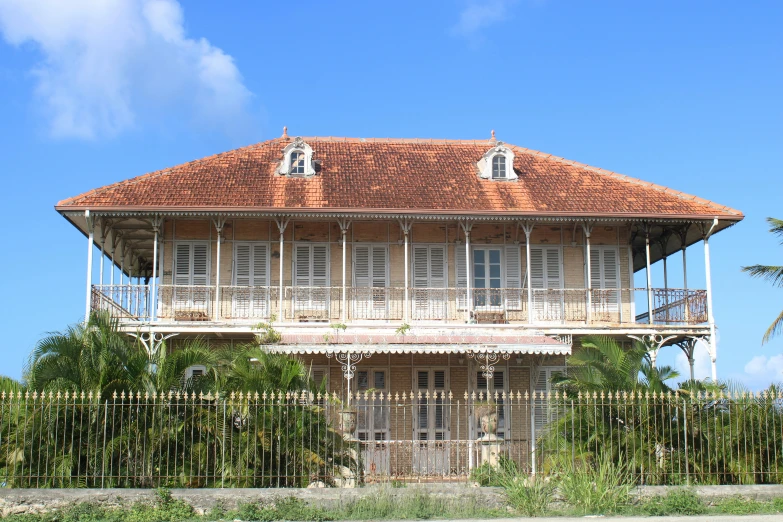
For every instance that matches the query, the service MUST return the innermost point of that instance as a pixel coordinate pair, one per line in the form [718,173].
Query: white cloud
[478,14]
[763,368]
[107,64]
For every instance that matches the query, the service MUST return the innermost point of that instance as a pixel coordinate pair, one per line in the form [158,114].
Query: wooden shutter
[320,266]
[513,282]
[461,273]
[537,270]
[361,266]
[182,264]
[260,265]
[540,404]
[421,270]
[553,276]
[302,266]
[242,265]
[379,267]
[437,265]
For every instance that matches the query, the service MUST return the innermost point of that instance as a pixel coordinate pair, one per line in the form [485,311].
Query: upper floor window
[297,159]
[498,166]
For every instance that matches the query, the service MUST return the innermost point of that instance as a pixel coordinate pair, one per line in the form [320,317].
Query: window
[370,276]
[251,279]
[499,167]
[311,280]
[546,281]
[497,164]
[191,280]
[604,280]
[297,162]
[429,281]
[194,372]
[493,269]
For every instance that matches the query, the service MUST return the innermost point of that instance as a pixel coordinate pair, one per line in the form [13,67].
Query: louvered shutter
[320,266]
[595,268]
[540,401]
[361,266]
[513,278]
[461,273]
[182,264]
[260,279]
[379,264]
[200,277]
[537,277]
[242,266]
[302,266]
[553,268]
[421,272]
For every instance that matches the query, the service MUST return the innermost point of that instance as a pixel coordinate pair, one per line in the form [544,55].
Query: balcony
[244,304]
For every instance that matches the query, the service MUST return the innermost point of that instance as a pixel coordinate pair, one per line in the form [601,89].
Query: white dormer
[297,160]
[498,164]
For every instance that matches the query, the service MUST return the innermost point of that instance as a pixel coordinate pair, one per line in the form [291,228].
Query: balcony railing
[387,304]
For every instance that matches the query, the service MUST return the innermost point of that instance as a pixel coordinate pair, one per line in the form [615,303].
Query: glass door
[487,278]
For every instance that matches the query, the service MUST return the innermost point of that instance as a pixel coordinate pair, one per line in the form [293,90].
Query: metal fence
[293,439]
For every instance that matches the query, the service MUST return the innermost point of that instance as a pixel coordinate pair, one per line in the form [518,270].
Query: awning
[521,345]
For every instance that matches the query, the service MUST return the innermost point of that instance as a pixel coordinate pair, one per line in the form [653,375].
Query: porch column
[153,290]
[281,224]
[219,224]
[707,231]
[90,239]
[528,228]
[588,229]
[650,313]
[405,225]
[102,237]
[466,228]
[344,224]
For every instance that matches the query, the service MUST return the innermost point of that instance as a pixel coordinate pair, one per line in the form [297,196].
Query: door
[373,420]
[605,283]
[311,281]
[251,281]
[429,282]
[487,278]
[431,451]
[370,282]
[191,280]
[546,282]
[494,389]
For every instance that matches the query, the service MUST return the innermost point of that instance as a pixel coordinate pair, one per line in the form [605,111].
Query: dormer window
[497,164]
[297,160]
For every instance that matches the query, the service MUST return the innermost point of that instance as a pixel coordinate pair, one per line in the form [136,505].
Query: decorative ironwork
[152,340]
[654,343]
[488,360]
[349,360]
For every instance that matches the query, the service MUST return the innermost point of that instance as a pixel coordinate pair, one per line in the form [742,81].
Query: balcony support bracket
[152,341]
[654,343]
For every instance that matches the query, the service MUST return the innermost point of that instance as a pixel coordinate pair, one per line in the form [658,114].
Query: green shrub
[414,504]
[680,501]
[743,506]
[487,475]
[530,496]
[595,487]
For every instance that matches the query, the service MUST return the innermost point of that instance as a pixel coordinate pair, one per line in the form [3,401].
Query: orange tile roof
[395,175]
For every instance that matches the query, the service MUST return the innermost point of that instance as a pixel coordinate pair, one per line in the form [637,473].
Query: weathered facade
[401,266]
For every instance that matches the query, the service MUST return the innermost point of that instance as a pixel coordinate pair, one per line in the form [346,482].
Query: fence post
[685,434]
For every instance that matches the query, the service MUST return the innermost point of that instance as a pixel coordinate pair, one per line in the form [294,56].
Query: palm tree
[602,365]
[772,274]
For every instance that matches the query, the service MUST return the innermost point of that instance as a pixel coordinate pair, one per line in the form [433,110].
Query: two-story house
[400,265]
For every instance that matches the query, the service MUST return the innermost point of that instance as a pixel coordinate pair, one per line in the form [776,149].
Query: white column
[344,232]
[684,269]
[649,276]
[90,240]
[588,229]
[710,316]
[103,251]
[528,229]
[469,302]
[406,307]
[665,287]
[153,291]
[219,222]
[111,257]
[281,224]
[161,269]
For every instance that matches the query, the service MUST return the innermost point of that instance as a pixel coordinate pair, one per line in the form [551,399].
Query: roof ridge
[625,177]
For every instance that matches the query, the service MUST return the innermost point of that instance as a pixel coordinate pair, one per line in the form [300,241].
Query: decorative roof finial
[493,134]
[285,132]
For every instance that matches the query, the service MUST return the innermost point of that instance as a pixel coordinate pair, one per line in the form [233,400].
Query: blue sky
[684,94]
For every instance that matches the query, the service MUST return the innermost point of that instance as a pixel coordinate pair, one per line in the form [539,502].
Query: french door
[430,298]
[546,281]
[487,278]
[191,277]
[431,451]
[311,280]
[251,281]
[604,282]
[370,282]
[373,420]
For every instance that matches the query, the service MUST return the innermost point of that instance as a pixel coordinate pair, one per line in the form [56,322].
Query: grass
[528,496]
